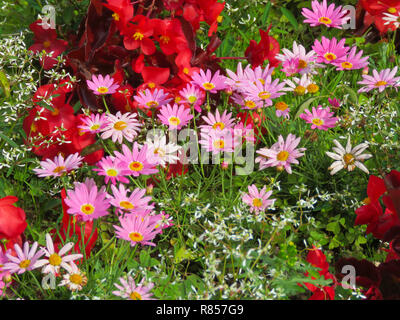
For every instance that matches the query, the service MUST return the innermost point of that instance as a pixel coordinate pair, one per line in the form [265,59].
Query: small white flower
[161,151]
[392,18]
[348,158]
[75,279]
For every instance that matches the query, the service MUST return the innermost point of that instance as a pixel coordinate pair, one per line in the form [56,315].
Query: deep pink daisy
[217,141]
[175,117]
[59,166]
[102,85]
[94,124]
[352,61]
[258,200]
[380,80]
[130,291]
[112,169]
[136,202]
[192,95]
[265,91]
[218,122]
[209,82]
[321,14]
[152,99]
[319,118]
[330,51]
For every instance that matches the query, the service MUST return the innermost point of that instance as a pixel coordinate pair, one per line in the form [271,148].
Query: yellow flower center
[347,65]
[380,83]
[160,152]
[300,90]
[95,127]
[24,264]
[76,278]
[165,39]
[262,81]
[313,88]
[47,44]
[152,104]
[302,64]
[138,36]
[112,172]
[257,202]
[102,90]
[282,156]
[127,205]
[208,86]
[136,166]
[59,169]
[151,85]
[330,56]
[250,104]
[55,112]
[348,159]
[367,200]
[135,296]
[281,106]
[174,121]
[264,95]
[392,10]
[120,125]
[219,125]
[192,99]
[33,127]
[318,122]
[325,20]
[136,236]
[87,208]
[185,70]
[115,16]
[219,19]
[219,144]
[55,259]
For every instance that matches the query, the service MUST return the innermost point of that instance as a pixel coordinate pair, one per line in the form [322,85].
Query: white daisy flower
[121,126]
[392,18]
[348,158]
[75,279]
[161,151]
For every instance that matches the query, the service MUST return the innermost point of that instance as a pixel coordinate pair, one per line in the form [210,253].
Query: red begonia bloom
[137,35]
[123,11]
[12,218]
[267,48]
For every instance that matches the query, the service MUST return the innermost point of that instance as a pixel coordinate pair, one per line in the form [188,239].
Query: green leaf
[264,17]
[334,227]
[5,84]
[8,140]
[305,105]
[290,17]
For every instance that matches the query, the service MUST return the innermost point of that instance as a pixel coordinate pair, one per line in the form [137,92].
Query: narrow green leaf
[290,17]
[8,140]
[5,84]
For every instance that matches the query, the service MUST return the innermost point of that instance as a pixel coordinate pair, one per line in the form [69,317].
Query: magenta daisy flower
[136,161]
[193,96]
[121,126]
[218,122]
[102,85]
[380,80]
[258,74]
[330,51]
[282,154]
[129,290]
[321,14]
[59,166]
[238,79]
[247,102]
[25,260]
[258,200]
[87,201]
[163,221]
[217,141]
[137,229]
[174,117]
[152,99]
[319,118]
[136,202]
[282,109]
[94,124]
[112,169]
[352,61]
[266,91]
[209,82]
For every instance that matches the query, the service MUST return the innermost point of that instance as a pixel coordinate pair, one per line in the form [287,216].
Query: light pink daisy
[175,117]
[380,80]
[247,102]
[209,82]
[137,229]
[330,51]
[281,155]
[56,260]
[320,118]
[290,66]
[136,161]
[94,124]
[282,109]
[352,61]
[87,201]
[258,74]
[121,126]
[258,200]
[163,221]
[102,85]
[130,291]
[321,14]
[193,96]
[59,166]
[152,99]
[243,133]
[266,91]
[218,122]
[238,79]
[299,86]
[136,202]
[75,279]
[112,169]
[25,260]
[217,141]
[3,273]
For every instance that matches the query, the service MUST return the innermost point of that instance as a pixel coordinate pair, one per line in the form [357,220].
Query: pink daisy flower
[137,229]
[282,154]
[175,117]
[217,141]
[87,201]
[258,74]
[4,274]
[136,161]
[238,79]
[152,99]
[102,85]
[163,221]
[208,82]
[323,15]
[319,118]
[218,122]
[381,80]
[247,102]
[130,291]
[266,91]
[112,169]
[121,126]
[258,200]
[352,61]
[56,260]
[330,51]
[242,133]
[282,109]
[59,166]
[290,66]
[94,124]
[136,202]
[193,96]
[299,85]
[25,260]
